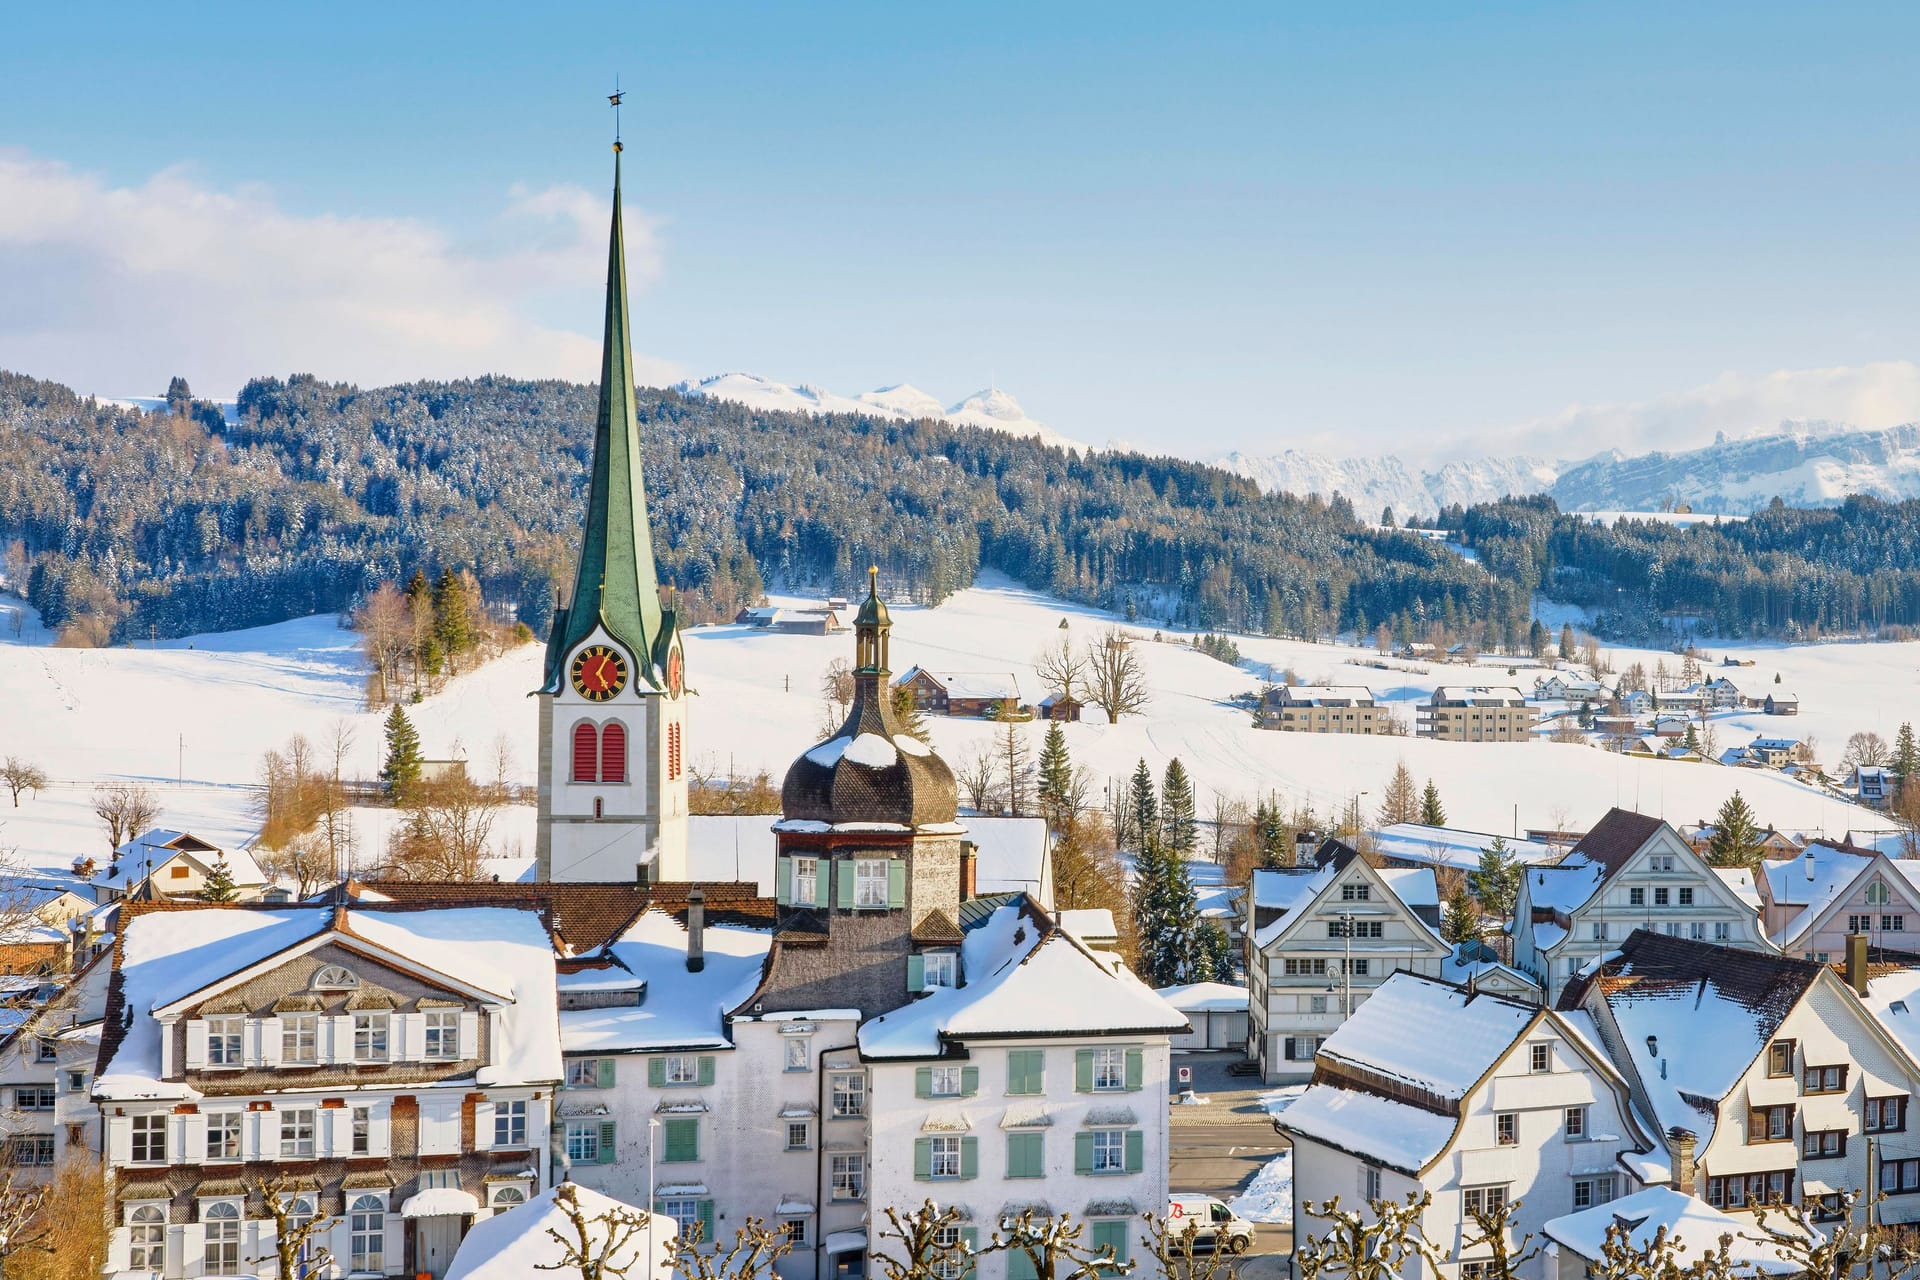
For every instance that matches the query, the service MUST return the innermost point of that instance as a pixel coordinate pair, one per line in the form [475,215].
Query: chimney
[1682,1141]
[696,930]
[969,869]
[1857,963]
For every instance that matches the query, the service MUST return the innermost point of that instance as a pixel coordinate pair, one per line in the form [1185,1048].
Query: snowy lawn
[1269,1197]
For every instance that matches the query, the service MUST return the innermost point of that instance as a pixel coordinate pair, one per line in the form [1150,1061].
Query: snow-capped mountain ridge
[992,408]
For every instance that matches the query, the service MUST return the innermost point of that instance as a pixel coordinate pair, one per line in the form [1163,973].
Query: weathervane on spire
[613,100]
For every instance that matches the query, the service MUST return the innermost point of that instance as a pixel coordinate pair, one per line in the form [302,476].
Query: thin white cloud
[1870,396]
[114,289]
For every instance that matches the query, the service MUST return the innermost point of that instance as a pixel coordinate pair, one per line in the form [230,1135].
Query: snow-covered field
[191,718]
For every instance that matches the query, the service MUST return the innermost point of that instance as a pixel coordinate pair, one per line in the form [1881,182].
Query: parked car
[1219,1227]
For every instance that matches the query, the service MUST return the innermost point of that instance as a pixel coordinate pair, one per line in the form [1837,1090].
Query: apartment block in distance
[1476,713]
[1322,708]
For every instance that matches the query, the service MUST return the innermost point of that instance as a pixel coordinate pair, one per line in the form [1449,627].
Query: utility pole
[180,762]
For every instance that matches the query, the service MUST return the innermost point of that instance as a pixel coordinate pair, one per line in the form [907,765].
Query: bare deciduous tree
[979,779]
[1505,1254]
[1865,748]
[1114,681]
[449,821]
[126,808]
[1175,1256]
[1832,1242]
[600,1246]
[1372,1243]
[930,1243]
[750,1257]
[22,775]
[299,1232]
[1052,1245]
[1060,668]
[386,628]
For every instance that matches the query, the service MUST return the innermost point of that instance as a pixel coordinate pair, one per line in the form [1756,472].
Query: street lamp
[653,1200]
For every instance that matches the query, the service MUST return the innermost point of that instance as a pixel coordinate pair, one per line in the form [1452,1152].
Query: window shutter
[922,1159]
[843,881]
[407,1037]
[916,973]
[1289,1054]
[1756,1125]
[706,1219]
[1136,1150]
[1020,1265]
[336,1132]
[969,1081]
[783,881]
[269,1148]
[1111,1238]
[606,1141]
[193,1136]
[896,883]
[605,1070]
[969,1157]
[656,1073]
[483,1126]
[380,1133]
[1136,1065]
[1083,1070]
[706,1069]
[683,1141]
[923,1082]
[1083,1153]
[469,1033]
[120,1139]
[1025,1155]
[338,1033]
[196,1044]
[269,1041]
[970,1237]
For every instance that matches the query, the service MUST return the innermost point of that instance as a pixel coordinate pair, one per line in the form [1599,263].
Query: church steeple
[615,586]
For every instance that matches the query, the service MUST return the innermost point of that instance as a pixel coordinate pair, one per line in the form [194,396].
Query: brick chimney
[969,869]
[1857,963]
[696,930]
[1682,1141]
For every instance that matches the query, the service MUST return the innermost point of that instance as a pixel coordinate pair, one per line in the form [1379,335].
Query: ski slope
[191,718]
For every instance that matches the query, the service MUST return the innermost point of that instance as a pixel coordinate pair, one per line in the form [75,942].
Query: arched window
[505,1197]
[586,753]
[613,752]
[222,1227]
[147,1233]
[368,1226]
[335,977]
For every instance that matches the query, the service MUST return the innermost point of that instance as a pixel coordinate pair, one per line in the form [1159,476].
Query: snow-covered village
[516,802]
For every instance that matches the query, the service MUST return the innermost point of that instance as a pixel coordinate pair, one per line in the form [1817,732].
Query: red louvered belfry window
[613,753]
[673,752]
[586,753]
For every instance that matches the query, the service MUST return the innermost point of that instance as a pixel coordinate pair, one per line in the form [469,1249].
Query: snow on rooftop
[1693,1227]
[1089,923]
[1563,888]
[521,1242]
[1390,1133]
[1288,889]
[1415,886]
[1814,875]
[872,751]
[1894,999]
[1452,846]
[1396,1031]
[1022,979]
[681,1009]
[1206,997]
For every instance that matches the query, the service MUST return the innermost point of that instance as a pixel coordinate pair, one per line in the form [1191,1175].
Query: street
[1217,1148]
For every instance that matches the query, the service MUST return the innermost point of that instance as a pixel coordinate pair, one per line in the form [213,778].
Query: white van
[1219,1227]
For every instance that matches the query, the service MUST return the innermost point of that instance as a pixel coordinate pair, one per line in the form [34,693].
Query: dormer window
[1356,892]
[940,969]
[335,977]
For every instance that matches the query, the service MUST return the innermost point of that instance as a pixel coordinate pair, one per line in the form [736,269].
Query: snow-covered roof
[1322,695]
[1452,846]
[1089,923]
[1012,852]
[1694,1229]
[147,852]
[1815,875]
[1206,997]
[1289,888]
[1291,891]
[1474,961]
[1024,976]
[521,1243]
[1893,997]
[680,1010]
[1415,886]
[1563,888]
[1740,880]
[1478,695]
[1389,1133]
[168,956]
[1393,1034]
[969,684]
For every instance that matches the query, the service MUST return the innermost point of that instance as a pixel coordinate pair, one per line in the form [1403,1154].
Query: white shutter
[470,1035]
[196,1044]
[408,1033]
[336,1136]
[439,1127]
[336,1039]
[270,1043]
[193,1138]
[380,1132]
[258,1237]
[482,1126]
[119,1140]
[189,1245]
[269,1134]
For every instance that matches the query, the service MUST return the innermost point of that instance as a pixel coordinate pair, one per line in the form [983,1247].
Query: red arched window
[613,753]
[586,753]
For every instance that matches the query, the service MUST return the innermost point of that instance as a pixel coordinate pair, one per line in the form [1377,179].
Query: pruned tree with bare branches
[1504,1254]
[928,1243]
[1371,1243]
[1052,1244]
[599,1246]
[299,1230]
[1830,1241]
[750,1257]
[1175,1254]
[1061,668]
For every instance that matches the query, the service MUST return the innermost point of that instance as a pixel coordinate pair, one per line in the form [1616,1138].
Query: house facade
[1630,871]
[962,693]
[1347,708]
[1476,713]
[167,865]
[1817,900]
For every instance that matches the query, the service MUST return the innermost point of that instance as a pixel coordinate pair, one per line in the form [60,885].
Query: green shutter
[783,881]
[1020,1265]
[1083,1153]
[1026,1071]
[706,1219]
[657,1073]
[1026,1155]
[916,973]
[969,1081]
[970,1237]
[1111,1238]
[1135,1067]
[969,1157]
[1083,1070]
[605,1069]
[682,1141]
[706,1069]
[923,1159]
[896,883]
[606,1142]
[923,1082]
[1136,1150]
[843,879]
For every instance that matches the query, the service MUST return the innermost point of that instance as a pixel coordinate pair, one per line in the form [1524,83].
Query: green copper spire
[615,586]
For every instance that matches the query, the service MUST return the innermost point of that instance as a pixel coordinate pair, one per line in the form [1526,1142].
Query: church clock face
[599,672]
[676,676]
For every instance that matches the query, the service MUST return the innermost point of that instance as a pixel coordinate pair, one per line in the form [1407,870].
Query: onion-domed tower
[868,872]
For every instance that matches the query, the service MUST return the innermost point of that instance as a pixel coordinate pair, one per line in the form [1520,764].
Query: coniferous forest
[125,524]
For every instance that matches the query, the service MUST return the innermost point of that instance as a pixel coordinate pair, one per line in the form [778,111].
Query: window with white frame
[583,1141]
[944,1082]
[1483,1199]
[223,1135]
[1575,1123]
[1109,1069]
[583,1073]
[361,1120]
[35,1097]
[1592,1190]
[806,882]
[1661,862]
[1877,893]
[220,1226]
[681,1068]
[510,1124]
[849,1095]
[939,969]
[149,1139]
[296,1133]
[443,1034]
[870,882]
[799,1135]
[944,1156]
[335,977]
[1636,897]
[799,1053]
[1723,931]
[795,1230]
[299,1039]
[1370,1182]
[370,1037]
[1599,930]
[506,1196]
[1540,1057]
[147,1239]
[1351,892]
[1507,1128]
[223,1041]
[684,1211]
[848,1177]
[1109,1151]
[367,1231]
[32,1149]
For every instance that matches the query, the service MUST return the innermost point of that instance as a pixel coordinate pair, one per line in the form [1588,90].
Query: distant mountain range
[1804,464]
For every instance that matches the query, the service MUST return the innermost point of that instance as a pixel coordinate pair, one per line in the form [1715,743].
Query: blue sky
[1191,227]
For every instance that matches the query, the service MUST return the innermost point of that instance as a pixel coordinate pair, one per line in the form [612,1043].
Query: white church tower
[613,706]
